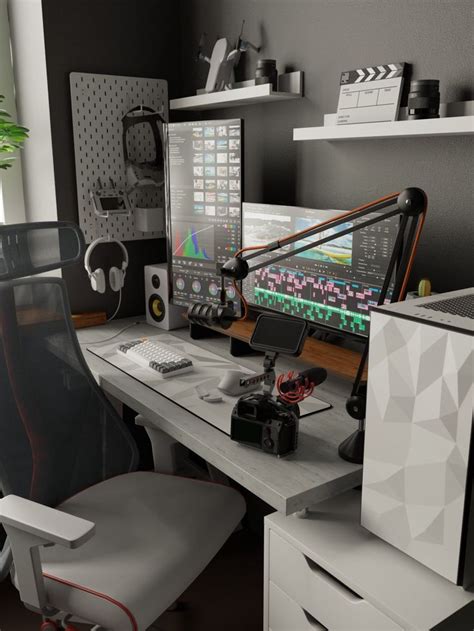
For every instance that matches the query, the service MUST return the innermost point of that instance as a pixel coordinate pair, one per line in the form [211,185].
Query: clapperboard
[370,95]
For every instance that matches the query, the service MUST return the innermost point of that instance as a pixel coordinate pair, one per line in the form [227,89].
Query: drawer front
[286,615]
[333,604]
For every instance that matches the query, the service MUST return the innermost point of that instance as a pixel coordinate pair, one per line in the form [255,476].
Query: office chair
[87,535]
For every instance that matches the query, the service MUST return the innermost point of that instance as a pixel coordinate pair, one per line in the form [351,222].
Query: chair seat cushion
[154,535]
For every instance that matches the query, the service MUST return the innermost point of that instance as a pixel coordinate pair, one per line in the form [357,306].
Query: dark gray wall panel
[323,38]
[120,37]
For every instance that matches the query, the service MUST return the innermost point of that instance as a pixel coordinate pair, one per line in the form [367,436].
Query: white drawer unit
[325,571]
[320,594]
[287,615]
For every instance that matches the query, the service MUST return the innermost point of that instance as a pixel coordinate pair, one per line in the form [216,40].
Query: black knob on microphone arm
[412,201]
[236,268]
[356,404]
[208,314]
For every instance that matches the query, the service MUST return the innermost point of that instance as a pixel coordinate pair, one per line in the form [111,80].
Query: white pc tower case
[418,461]
[159,311]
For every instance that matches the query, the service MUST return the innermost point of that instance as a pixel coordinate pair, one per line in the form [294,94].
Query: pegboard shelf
[99,102]
[290,87]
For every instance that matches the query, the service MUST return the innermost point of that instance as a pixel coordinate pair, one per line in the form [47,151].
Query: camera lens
[266,72]
[423,99]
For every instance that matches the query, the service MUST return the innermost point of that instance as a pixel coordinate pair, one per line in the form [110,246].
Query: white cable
[107,339]
[118,307]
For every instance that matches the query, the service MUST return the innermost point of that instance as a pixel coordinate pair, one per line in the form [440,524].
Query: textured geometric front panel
[418,433]
[98,104]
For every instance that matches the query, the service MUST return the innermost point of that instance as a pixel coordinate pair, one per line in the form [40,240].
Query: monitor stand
[238,347]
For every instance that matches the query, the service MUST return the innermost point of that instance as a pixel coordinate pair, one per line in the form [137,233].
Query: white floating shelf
[290,87]
[452,126]
[457,119]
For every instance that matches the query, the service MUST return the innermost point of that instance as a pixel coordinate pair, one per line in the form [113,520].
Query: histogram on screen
[194,242]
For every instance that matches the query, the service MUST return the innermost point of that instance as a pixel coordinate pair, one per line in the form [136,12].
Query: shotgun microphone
[310,377]
[208,314]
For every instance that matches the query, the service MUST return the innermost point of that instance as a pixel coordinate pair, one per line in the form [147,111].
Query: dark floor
[228,594]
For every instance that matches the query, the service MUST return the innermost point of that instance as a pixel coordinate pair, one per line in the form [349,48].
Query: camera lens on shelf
[423,99]
[266,72]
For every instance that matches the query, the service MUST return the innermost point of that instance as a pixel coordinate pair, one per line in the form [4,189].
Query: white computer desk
[313,473]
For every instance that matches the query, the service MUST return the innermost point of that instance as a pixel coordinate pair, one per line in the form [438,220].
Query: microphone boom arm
[410,203]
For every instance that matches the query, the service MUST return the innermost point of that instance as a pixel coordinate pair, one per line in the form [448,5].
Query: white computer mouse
[230,383]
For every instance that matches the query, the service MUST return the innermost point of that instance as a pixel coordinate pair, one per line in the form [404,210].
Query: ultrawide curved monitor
[333,285]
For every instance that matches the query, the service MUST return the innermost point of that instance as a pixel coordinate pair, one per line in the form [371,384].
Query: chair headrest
[32,248]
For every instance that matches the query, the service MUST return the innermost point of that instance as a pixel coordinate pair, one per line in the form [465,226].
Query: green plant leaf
[12,137]
[6,163]
[10,148]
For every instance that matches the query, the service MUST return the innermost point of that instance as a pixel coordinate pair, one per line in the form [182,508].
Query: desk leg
[266,578]
[302,514]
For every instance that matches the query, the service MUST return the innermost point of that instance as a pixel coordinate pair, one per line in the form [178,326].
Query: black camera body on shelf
[260,420]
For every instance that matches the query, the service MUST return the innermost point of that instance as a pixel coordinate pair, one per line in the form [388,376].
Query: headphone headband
[95,243]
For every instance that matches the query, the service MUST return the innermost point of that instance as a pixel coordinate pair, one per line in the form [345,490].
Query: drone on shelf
[223,61]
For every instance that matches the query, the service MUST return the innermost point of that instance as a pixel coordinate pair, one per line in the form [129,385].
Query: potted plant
[12,137]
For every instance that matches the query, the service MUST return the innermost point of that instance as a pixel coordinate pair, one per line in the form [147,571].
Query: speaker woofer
[156,308]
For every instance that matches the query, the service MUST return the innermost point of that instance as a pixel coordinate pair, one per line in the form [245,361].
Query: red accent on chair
[121,606]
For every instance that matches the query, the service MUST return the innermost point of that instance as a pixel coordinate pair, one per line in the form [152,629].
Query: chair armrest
[49,524]
[29,526]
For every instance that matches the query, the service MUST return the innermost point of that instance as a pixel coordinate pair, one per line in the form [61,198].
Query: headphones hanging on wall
[116,275]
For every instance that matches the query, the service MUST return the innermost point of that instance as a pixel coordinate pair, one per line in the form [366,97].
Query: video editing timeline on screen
[205,175]
[335,283]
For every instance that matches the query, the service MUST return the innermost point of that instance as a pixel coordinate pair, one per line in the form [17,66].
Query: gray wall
[323,38]
[158,38]
[120,37]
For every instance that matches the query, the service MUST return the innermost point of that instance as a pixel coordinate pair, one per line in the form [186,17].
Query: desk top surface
[313,473]
[184,389]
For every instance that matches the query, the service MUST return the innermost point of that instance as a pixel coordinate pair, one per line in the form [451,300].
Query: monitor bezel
[259,309]
[167,195]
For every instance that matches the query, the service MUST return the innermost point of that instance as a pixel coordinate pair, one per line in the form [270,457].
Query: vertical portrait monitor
[204,204]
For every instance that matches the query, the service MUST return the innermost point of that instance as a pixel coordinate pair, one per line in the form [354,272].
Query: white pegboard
[99,103]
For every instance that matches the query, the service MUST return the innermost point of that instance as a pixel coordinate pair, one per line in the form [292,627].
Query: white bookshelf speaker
[159,311]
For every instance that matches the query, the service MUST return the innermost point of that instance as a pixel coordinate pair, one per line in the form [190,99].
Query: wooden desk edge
[336,359]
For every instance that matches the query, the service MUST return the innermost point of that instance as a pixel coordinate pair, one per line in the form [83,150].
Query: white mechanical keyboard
[158,357]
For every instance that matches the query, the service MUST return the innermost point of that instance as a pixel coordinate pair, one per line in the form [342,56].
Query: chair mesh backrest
[58,432]
[32,248]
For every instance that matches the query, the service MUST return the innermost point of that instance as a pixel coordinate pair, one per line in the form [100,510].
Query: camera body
[260,420]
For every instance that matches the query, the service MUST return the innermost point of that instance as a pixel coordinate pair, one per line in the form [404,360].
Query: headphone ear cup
[98,280]
[115,278]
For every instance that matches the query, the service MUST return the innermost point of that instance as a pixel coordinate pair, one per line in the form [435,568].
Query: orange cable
[244,302]
[413,253]
[345,214]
